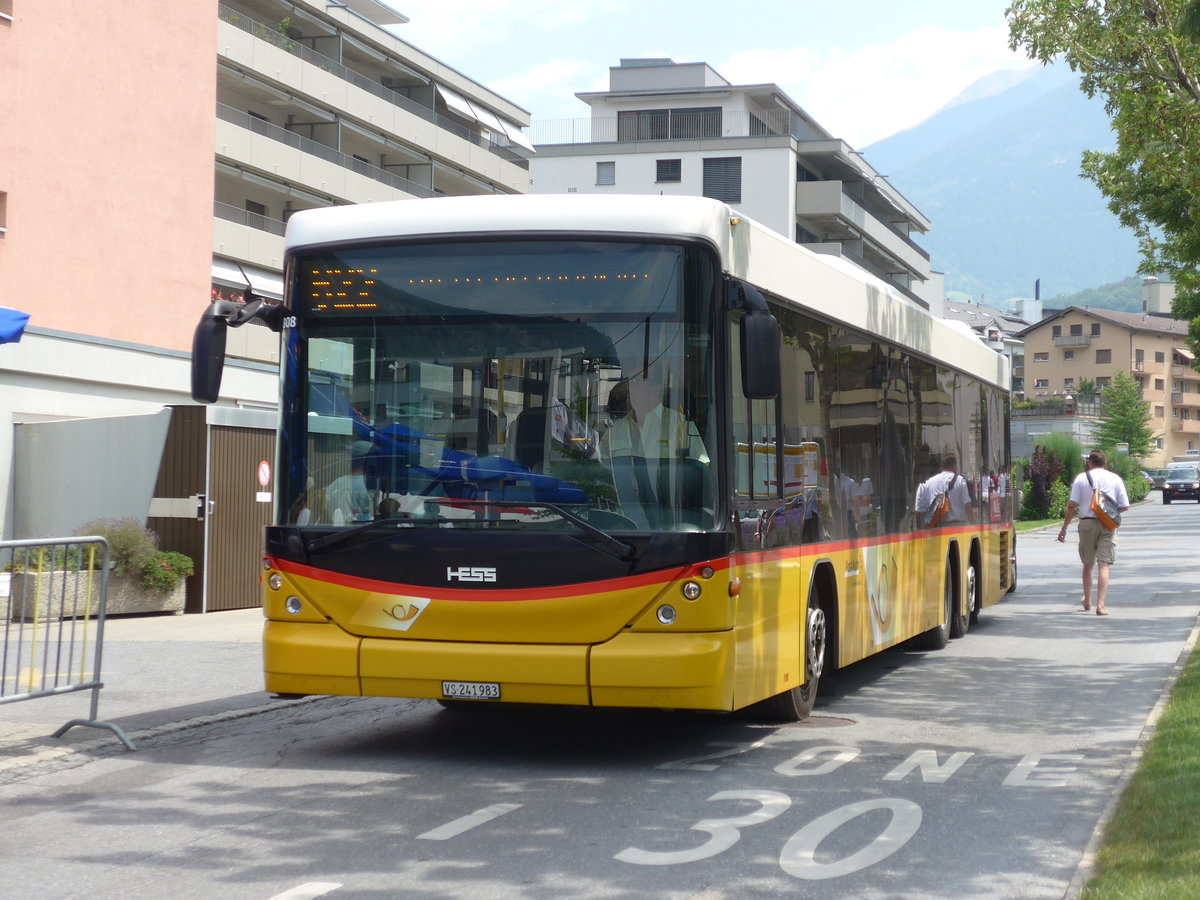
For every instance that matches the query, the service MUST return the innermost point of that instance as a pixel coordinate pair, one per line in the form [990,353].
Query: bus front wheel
[796,704]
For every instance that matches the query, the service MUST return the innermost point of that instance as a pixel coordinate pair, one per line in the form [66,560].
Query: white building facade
[681,128]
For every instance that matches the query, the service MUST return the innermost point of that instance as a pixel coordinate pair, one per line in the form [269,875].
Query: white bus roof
[833,288]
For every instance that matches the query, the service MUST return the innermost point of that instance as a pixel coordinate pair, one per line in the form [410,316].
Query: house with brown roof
[1078,345]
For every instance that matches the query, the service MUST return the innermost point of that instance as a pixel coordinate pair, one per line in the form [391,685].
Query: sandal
[1084,605]
[1101,612]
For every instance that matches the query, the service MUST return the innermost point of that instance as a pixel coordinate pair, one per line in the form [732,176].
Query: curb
[1087,863]
[99,745]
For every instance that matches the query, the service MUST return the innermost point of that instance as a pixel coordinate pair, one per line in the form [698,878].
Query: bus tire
[974,592]
[796,704]
[937,637]
[964,610]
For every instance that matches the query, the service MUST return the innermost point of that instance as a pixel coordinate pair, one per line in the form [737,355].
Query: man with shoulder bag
[1099,497]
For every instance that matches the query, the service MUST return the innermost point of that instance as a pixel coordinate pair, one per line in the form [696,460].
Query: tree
[1143,58]
[1124,417]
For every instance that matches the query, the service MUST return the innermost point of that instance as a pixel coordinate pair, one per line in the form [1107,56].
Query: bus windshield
[441,384]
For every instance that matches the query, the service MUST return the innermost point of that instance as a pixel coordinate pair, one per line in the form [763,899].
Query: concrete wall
[106,158]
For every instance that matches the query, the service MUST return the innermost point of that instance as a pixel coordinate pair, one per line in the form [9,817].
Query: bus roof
[831,287]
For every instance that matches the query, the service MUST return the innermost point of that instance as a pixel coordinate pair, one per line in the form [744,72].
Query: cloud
[868,93]
[545,85]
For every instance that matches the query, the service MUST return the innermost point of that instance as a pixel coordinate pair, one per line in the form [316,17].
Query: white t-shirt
[1108,482]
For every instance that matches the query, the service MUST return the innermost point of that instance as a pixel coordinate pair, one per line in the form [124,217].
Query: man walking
[1097,544]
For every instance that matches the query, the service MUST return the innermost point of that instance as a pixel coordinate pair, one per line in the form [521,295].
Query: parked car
[1182,484]
[1157,477]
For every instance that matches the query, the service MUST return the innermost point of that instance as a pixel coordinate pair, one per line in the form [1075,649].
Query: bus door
[768,615]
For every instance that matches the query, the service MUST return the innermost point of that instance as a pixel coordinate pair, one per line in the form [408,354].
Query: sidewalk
[158,671]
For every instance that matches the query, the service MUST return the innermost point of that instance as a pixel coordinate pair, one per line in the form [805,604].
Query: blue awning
[12,324]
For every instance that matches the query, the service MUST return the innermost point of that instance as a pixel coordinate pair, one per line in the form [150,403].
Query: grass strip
[1151,847]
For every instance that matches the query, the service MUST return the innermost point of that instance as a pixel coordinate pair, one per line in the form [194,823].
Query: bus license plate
[471,690]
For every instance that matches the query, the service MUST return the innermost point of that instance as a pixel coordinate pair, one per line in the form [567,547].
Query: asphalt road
[979,771]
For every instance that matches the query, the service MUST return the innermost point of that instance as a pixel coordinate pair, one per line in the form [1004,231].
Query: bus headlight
[666,614]
[293,605]
[691,590]
[275,581]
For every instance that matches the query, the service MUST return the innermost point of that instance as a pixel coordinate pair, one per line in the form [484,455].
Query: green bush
[133,551]
[1060,496]
[164,571]
[1069,452]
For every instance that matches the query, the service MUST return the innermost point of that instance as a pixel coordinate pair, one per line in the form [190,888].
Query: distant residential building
[996,328]
[1078,346]
[681,128]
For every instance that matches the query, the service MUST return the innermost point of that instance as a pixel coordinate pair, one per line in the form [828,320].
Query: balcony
[1184,372]
[1185,399]
[1186,425]
[1073,340]
[321,151]
[289,45]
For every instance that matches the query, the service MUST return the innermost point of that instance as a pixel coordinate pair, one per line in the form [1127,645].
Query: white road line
[466,823]
[308,891]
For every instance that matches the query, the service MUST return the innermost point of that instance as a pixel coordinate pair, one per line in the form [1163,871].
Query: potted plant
[143,578]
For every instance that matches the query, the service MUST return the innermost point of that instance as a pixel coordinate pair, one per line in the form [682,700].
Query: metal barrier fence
[52,628]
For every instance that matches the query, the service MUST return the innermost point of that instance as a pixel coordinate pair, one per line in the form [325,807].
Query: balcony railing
[316,148]
[251,220]
[1184,372]
[285,43]
[1073,340]
[687,125]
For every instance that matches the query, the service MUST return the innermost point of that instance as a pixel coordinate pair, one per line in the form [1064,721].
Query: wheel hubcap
[815,663]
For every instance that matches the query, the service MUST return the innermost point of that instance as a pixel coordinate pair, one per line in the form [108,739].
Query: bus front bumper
[634,669]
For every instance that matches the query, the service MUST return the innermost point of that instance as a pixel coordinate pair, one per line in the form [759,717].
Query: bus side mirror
[760,356]
[208,351]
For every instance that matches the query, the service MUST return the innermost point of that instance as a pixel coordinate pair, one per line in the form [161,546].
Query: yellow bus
[612,452]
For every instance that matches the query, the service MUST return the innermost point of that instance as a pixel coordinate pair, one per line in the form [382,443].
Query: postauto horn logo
[405,612]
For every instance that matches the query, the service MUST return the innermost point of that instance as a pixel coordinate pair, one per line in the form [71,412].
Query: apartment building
[664,127]
[1078,345]
[126,205]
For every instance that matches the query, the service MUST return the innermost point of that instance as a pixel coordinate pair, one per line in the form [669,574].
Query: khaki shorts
[1096,543]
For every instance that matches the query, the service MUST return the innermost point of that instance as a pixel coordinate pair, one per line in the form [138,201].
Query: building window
[1103,356]
[1077,329]
[1068,355]
[1069,384]
[1158,384]
[1102,381]
[810,387]
[1041,382]
[803,174]
[804,236]
[606,173]
[664,124]
[1095,329]
[1043,356]
[1159,356]
[723,178]
[1056,331]
[3,212]
[670,170]
[1158,412]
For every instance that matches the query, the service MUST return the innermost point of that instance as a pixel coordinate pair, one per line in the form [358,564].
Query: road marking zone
[466,823]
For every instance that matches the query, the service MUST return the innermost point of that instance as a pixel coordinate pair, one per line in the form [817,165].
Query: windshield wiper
[607,543]
[338,538]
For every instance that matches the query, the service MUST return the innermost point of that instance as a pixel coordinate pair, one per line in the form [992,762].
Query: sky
[864,69]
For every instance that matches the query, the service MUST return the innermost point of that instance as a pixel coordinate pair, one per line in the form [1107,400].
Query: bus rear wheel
[960,624]
[796,704]
[937,637]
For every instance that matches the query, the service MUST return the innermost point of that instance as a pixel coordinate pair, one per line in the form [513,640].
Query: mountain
[996,170]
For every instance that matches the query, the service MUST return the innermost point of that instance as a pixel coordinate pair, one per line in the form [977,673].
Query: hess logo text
[470,573]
